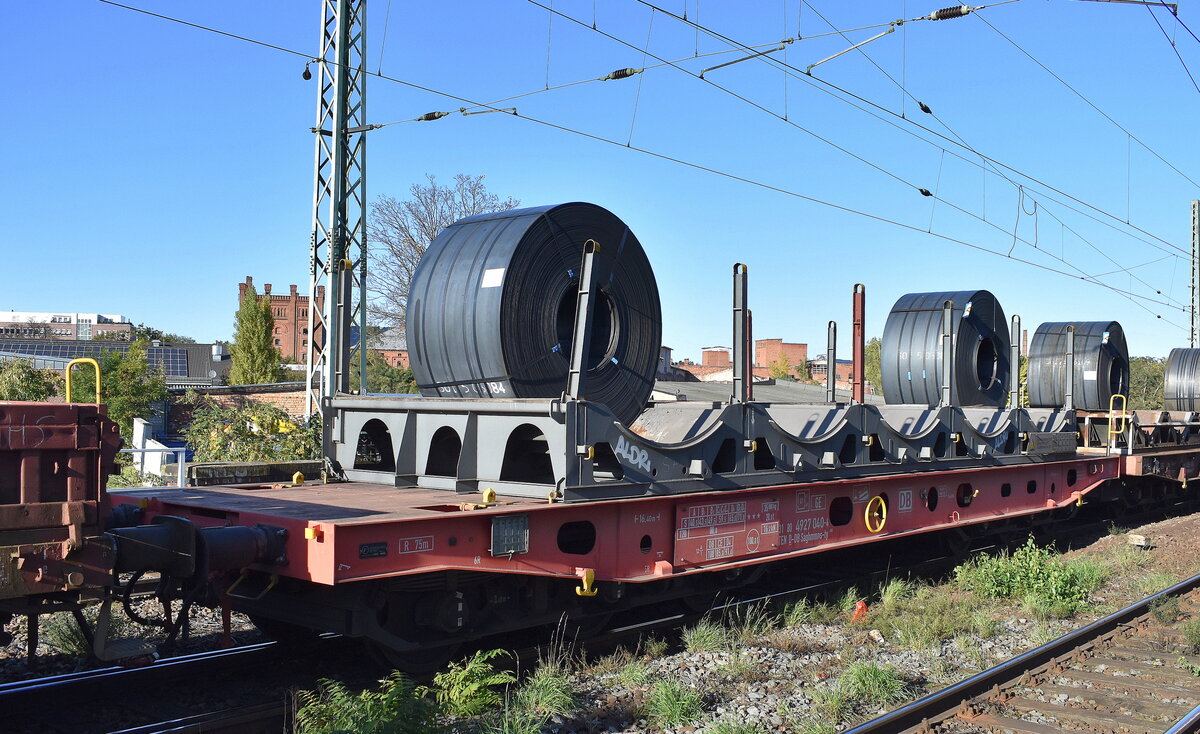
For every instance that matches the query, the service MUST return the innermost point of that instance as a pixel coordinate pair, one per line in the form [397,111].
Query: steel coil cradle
[492,305]
[1101,364]
[911,353]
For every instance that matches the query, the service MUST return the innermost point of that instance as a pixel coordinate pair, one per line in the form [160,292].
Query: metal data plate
[1052,443]
[510,535]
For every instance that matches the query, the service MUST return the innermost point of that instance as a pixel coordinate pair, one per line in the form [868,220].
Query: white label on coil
[492,277]
[1089,374]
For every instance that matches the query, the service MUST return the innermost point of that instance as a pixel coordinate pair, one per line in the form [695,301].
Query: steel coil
[1101,364]
[492,303]
[1181,380]
[911,353]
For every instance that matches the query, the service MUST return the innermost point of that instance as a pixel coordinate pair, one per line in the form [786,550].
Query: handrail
[95,366]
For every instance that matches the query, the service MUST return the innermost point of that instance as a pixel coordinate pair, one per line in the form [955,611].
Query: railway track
[1128,672]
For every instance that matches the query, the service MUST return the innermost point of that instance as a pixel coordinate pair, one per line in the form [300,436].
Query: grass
[805,611]
[871,683]
[749,622]
[705,636]
[929,615]
[671,704]
[742,666]
[1154,583]
[512,720]
[61,632]
[547,692]
[634,673]
[725,726]
[1165,610]
[1126,560]
[1191,634]
[654,647]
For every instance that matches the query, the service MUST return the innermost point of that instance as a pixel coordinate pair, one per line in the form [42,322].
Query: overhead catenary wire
[922,190]
[818,83]
[682,162]
[959,141]
[1174,48]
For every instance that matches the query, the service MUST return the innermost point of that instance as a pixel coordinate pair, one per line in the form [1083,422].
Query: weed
[725,726]
[1126,560]
[1087,573]
[895,591]
[1154,583]
[869,682]
[465,688]
[705,636]
[969,647]
[654,647]
[796,613]
[1165,610]
[633,674]
[932,614]
[1191,634]
[1028,571]
[1042,633]
[848,600]
[512,719]
[742,666]
[61,632]
[546,693]
[671,704]
[611,663]
[1041,608]
[984,624]
[748,622]
[830,704]
[1115,529]
[1189,667]
[398,706]
[814,726]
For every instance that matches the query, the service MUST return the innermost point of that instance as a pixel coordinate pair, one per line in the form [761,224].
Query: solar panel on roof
[173,360]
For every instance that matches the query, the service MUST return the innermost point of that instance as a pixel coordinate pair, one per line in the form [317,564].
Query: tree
[382,377]
[130,386]
[20,380]
[400,230]
[780,369]
[255,358]
[1146,383]
[144,331]
[252,431]
[872,370]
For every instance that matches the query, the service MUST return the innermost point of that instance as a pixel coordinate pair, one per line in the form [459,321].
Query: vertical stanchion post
[1069,377]
[741,328]
[858,347]
[947,353]
[1014,366]
[581,336]
[831,364]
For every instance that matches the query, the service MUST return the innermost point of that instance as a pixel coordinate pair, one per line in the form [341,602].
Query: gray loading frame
[577,451]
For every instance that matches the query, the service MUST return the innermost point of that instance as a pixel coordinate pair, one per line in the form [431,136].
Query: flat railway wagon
[533,480]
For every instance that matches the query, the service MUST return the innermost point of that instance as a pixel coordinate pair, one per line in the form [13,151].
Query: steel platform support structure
[338,259]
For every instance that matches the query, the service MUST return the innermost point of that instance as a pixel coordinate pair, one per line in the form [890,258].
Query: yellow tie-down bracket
[587,586]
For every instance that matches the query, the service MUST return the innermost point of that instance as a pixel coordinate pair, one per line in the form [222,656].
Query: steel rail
[266,717]
[947,700]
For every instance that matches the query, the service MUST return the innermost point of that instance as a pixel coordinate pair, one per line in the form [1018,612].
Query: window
[304,330]
[276,342]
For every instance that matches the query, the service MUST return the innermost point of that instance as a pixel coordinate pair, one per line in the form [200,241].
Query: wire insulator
[925,192]
[431,116]
[925,107]
[956,11]
[621,74]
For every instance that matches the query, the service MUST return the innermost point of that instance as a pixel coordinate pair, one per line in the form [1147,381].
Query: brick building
[768,351]
[291,317]
[62,325]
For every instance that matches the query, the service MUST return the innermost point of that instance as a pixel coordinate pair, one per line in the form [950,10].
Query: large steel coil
[491,308]
[1101,365]
[911,353]
[1181,380]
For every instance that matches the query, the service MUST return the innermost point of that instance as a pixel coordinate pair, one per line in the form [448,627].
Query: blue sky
[152,166]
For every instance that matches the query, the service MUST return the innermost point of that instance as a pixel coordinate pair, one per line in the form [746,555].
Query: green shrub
[1030,571]
[671,704]
[398,707]
[465,688]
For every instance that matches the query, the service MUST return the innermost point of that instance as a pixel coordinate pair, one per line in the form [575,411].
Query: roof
[778,392]
[182,364]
